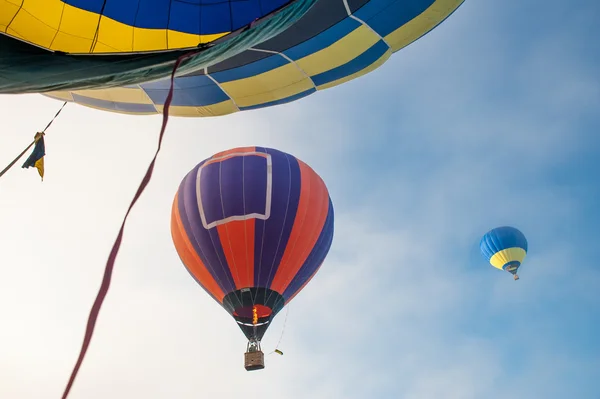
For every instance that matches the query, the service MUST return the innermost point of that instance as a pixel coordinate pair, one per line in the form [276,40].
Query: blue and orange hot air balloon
[505,248]
[252,225]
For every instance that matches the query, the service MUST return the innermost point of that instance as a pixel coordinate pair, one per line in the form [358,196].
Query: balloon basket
[254,360]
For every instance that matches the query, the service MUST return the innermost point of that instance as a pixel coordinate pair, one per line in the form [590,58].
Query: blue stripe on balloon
[211,192]
[323,39]
[280,101]
[191,16]
[255,183]
[249,70]
[242,192]
[244,11]
[366,59]
[183,217]
[385,16]
[192,91]
[151,14]
[502,238]
[213,256]
[316,256]
[271,236]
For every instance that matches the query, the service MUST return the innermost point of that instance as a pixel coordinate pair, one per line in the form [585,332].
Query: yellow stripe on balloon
[58,26]
[273,85]
[218,109]
[339,53]
[132,95]
[60,95]
[355,75]
[420,25]
[501,258]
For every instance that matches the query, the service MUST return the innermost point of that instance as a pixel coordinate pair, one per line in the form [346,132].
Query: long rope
[10,165]
[287,311]
[115,249]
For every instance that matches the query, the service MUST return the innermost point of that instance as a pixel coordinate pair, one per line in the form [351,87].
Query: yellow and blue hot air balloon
[117,55]
[505,248]
[332,43]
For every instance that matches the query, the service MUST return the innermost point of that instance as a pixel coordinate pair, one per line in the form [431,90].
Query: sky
[491,119]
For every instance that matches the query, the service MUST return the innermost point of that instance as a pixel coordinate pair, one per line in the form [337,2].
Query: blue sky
[491,119]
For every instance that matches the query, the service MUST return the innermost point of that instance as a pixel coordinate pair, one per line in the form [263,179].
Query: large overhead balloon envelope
[505,248]
[334,42]
[252,225]
[51,45]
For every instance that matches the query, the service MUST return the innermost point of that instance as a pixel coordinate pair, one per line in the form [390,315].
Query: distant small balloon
[505,248]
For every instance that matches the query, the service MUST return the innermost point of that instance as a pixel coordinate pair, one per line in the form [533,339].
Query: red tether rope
[93,317]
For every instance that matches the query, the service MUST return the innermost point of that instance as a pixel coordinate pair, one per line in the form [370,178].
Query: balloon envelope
[505,248]
[252,225]
[334,42]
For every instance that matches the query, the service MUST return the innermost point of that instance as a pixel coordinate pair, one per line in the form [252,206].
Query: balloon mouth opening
[253,308]
[512,267]
[249,311]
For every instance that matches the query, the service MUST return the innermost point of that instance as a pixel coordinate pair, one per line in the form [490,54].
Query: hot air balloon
[505,248]
[252,226]
[308,45]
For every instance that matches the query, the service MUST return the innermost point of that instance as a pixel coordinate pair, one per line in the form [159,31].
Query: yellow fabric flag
[36,159]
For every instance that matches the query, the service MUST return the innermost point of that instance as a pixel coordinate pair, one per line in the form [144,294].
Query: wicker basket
[254,360]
